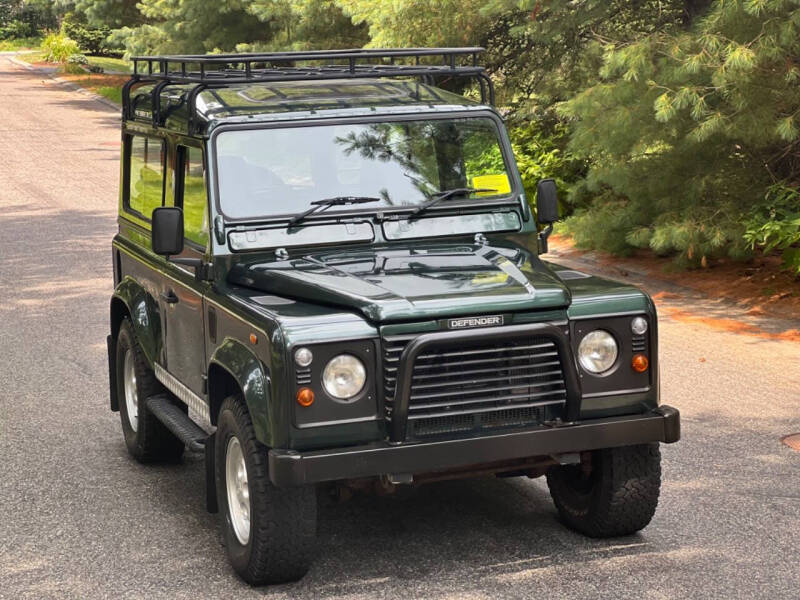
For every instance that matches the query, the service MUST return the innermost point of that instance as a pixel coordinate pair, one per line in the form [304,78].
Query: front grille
[478,385]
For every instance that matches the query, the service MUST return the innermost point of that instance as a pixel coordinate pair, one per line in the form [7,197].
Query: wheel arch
[234,368]
[131,300]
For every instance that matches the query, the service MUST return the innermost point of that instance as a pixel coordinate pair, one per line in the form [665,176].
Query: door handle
[169,297]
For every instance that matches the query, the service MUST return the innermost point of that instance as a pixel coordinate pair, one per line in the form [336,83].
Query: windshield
[271,172]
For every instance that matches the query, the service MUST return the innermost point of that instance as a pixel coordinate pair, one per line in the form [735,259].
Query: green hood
[402,283]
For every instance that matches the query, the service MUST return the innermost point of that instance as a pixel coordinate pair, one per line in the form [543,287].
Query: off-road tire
[618,496]
[283,521]
[152,441]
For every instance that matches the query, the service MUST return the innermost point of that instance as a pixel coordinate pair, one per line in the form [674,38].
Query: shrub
[776,225]
[16,29]
[77,59]
[90,39]
[58,48]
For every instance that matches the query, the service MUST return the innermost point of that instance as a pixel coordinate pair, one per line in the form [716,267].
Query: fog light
[303,357]
[305,396]
[639,325]
[640,363]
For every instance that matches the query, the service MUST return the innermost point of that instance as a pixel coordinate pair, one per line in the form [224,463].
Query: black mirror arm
[543,235]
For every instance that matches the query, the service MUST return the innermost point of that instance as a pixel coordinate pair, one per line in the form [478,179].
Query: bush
[77,59]
[16,29]
[90,39]
[776,225]
[58,48]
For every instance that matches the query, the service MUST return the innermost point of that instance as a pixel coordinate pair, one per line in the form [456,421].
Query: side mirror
[546,202]
[167,234]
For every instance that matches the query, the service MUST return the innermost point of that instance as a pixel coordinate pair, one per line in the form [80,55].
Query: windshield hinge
[281,254]
[480,239]
[219,229]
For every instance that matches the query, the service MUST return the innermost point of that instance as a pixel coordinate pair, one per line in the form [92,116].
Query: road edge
[105,102]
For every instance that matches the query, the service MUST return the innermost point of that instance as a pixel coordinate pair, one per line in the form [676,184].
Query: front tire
[269,532]
[615,494]
[147,439]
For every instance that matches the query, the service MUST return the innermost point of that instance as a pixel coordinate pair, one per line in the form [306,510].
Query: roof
[291,100]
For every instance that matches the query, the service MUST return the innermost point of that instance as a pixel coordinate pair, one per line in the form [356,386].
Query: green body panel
[250,373]
[144,315]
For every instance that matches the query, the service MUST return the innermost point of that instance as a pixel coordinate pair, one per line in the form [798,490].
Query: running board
[177,421]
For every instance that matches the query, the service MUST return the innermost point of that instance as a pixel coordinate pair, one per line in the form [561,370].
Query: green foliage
[58,48]
[110,13]
[90,39]
[27,18]
[775,225]
[16,29]
[413,23]
[306,25]
[692,127]
[540,150]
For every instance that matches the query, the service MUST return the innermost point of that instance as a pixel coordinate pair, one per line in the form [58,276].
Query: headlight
[344,376]
[597,351]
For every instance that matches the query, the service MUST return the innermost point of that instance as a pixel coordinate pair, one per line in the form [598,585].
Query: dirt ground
[759,286]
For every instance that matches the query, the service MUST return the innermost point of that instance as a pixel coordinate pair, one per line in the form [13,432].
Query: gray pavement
[79,519]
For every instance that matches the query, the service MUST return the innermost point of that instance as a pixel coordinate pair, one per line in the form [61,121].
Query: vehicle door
[182,293]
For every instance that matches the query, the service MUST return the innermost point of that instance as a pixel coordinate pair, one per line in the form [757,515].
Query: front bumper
[289,467]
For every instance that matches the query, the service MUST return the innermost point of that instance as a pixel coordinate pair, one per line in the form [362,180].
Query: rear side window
[195,206]
[145,175]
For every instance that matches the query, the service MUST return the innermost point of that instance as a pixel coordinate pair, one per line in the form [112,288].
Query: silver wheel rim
[131,397]
[238,492]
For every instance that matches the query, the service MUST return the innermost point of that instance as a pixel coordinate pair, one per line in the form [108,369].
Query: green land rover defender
[327,274]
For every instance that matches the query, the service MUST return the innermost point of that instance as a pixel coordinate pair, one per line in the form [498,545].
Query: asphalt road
[78,518]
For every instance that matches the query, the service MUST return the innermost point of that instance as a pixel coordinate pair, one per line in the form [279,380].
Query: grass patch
[108,86]
[110,93]
[31,57]
[28,43]
[111,64]
[107,63]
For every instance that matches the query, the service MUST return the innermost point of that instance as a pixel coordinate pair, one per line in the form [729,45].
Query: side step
[177,421]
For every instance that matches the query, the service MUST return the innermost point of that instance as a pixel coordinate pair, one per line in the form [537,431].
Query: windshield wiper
[319,206]
[437,197]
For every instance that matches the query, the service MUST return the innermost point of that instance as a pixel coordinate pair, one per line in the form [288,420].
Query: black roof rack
[220,70]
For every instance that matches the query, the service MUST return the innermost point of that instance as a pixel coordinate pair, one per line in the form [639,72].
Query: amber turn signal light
[305,396]
[640,363]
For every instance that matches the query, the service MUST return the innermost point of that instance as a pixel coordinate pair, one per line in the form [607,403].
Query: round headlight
[344,376]
[597,351]
[639,325]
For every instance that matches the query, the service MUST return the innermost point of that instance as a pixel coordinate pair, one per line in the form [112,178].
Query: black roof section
[210,71]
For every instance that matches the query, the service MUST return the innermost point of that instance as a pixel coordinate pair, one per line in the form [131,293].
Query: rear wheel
[145,436]
[269,532]
[615,493]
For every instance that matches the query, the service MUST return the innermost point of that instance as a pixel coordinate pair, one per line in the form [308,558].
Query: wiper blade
[319,206]
[437,197]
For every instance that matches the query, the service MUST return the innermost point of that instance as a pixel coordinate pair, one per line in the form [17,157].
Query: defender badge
[467,322]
